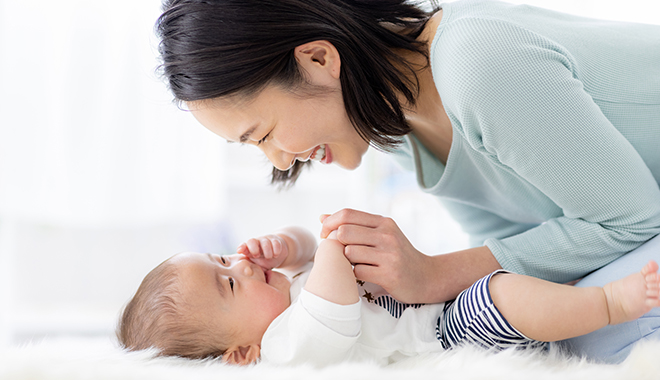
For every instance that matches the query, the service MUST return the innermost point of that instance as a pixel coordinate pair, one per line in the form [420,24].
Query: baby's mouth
[267,274]
[318,154]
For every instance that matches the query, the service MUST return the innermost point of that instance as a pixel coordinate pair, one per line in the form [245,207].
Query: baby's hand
[267,251]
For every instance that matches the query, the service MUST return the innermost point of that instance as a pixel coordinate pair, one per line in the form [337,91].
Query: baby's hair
[224,48]
[158,317]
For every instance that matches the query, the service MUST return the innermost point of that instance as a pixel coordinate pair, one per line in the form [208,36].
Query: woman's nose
[280,159]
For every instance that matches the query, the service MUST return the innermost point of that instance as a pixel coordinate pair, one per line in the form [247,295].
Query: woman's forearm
[381,254]
[446,275]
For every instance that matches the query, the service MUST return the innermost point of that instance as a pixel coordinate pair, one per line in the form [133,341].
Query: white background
[102,177]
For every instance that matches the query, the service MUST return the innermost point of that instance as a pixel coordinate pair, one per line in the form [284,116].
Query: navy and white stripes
[473,318]
[393,306]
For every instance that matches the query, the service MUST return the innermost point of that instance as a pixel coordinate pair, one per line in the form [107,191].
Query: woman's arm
[383,255]
[532,118]
[532,121]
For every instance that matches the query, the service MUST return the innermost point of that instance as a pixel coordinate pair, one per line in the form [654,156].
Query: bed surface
[100,359]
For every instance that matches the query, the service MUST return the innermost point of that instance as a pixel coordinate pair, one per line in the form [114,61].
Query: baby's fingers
[243,249]
[277,247]
[254,248]
[266,248]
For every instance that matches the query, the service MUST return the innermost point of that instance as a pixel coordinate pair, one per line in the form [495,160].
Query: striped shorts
[472,318]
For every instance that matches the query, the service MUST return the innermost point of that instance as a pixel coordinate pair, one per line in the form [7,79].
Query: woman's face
[287,127]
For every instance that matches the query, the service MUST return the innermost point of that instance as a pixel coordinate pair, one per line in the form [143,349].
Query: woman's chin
[352,164]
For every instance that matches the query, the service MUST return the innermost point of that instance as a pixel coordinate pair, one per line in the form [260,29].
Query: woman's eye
[263,140]
[231,283]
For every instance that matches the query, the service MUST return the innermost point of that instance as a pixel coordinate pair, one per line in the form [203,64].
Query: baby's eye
[223,260]
[231,283]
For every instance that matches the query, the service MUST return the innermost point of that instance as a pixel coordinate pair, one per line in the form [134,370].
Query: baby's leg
[547,311]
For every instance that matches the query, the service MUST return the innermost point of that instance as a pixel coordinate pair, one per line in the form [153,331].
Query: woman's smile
[278,123]
[318,154]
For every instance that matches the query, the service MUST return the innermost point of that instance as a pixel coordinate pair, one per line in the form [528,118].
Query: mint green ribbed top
[555,158]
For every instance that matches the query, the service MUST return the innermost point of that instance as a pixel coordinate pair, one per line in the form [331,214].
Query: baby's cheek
[277,305]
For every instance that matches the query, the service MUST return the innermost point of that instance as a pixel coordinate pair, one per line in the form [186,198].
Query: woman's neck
[428,119]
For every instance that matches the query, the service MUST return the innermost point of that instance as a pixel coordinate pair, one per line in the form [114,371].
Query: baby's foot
[631,297]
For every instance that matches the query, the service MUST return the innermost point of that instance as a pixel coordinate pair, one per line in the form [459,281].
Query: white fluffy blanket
[100,360]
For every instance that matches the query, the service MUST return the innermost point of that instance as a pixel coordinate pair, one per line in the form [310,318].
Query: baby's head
[200,305]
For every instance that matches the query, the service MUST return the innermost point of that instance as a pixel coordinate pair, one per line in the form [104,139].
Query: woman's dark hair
[217,48]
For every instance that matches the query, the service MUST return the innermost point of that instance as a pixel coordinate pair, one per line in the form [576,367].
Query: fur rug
[100,360]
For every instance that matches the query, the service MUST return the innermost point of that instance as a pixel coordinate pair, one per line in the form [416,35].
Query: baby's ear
[242,355]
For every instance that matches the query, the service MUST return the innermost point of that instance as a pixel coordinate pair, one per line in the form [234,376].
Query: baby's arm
[323,325]
[301,245]
[287,248]
[548,312]
[332,275]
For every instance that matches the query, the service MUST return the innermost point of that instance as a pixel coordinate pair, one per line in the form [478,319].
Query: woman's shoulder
[486,29]
[476,43]
[470,29]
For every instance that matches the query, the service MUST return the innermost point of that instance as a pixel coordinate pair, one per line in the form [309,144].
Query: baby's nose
[247,271]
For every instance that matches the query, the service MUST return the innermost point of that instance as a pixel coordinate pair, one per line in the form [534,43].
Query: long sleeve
[518,99]
[312,331]
[481,225]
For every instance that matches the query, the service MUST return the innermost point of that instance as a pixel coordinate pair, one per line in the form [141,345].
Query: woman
[539,131]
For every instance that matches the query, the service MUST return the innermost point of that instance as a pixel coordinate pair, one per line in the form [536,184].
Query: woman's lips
[318,153]
[327,158]
[321,154]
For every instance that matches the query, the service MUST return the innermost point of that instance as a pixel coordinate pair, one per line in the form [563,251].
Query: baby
[237,307]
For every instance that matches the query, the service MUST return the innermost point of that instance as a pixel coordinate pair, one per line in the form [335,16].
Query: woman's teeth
[318,154]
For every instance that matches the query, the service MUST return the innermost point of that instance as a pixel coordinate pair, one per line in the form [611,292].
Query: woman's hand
[381,254]
[268,251]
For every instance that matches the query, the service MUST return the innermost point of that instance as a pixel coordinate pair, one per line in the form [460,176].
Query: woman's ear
[320,59]
[242,355]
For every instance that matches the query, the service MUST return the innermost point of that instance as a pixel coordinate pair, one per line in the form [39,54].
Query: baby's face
[232,293]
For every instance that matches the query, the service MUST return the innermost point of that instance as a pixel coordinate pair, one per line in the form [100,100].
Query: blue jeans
[612,344]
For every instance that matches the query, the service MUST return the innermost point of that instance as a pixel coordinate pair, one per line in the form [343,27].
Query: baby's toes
[652,280]
[650,267]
